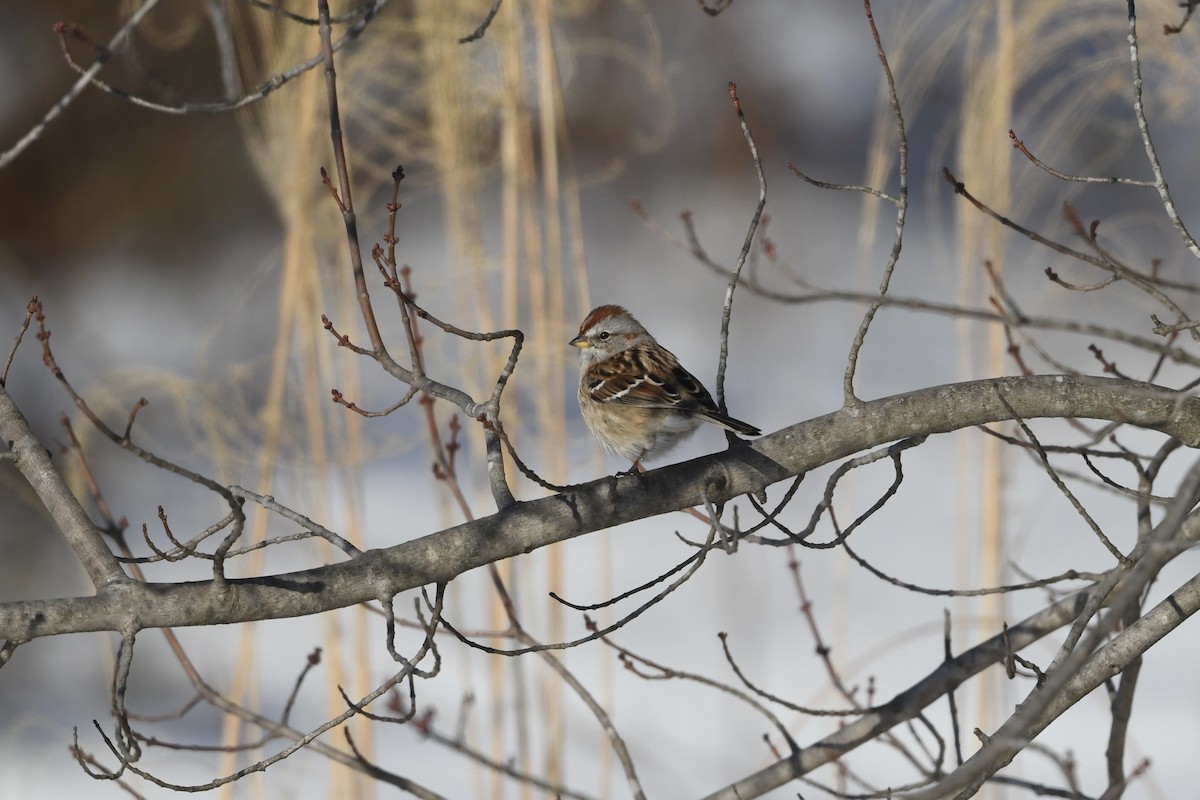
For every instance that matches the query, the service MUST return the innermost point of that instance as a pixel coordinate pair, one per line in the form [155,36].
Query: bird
[635,396]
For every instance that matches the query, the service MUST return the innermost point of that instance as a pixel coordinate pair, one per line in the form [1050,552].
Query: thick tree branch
[442,556]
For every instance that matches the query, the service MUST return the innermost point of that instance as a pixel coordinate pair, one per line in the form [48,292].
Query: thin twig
[702,554]
[478,33]
[1139,111]
[844,187]
[727,308]
[1189,7]
[1020,145]
[31,308]
[848,395]
[1062,486]
[386,776]
[631,660]
[118,39]
[366,14]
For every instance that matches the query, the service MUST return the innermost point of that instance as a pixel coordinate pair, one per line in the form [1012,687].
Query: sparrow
[636,398]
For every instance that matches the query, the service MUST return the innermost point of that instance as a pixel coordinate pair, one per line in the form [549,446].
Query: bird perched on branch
[635,396]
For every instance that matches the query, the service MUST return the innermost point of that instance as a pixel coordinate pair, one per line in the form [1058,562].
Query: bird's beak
[580,341]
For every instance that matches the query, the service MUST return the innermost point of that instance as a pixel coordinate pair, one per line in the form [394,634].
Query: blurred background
[187,258]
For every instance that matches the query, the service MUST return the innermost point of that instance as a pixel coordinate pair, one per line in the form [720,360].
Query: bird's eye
[604,335]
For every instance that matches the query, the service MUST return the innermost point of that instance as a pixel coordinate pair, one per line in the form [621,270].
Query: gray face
[606,336]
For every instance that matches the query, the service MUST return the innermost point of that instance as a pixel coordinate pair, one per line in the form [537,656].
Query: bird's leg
[636,468]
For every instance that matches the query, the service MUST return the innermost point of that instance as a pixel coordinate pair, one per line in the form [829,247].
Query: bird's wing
[655,379]
[641,377]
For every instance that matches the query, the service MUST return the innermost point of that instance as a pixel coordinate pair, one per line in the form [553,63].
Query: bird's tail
[731,424]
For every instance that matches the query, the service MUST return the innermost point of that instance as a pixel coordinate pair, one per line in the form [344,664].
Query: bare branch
[727,308]
[478,33]
[72,521]
[31,308]
[85,79]
[845,187]
[1139,111]
[364,15]
[1126,646]
[1020,145]
[848,395]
